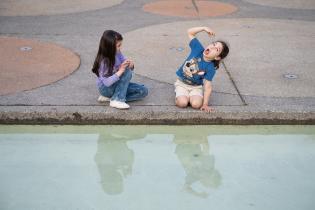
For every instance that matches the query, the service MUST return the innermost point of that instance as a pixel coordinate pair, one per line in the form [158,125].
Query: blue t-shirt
[195,68]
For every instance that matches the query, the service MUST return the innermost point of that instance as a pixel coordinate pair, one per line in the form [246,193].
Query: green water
[157,167]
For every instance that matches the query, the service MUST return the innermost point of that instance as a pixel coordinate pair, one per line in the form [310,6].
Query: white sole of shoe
[103,99]
[118,106]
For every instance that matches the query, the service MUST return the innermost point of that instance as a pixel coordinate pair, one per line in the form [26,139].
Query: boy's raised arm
[193,31]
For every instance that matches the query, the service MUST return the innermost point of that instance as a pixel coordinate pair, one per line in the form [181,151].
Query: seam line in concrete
[148,78]
[167,83]
[225,68]
[196,7]
[234,84]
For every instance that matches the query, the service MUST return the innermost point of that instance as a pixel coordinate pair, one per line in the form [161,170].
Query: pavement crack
[155,80]
[195,6]
[170,84]
[234,84]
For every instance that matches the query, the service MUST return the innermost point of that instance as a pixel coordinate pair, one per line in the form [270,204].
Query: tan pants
[182,89]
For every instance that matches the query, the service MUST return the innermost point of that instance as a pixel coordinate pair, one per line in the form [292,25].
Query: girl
[114,73]
[193,85]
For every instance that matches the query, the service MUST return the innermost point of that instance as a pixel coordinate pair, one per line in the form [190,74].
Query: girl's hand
[122,68]
[209,31]
[206,108]
[131,64]
[124,65]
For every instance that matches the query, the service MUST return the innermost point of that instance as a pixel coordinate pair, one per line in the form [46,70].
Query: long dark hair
[223,54]
[107,51]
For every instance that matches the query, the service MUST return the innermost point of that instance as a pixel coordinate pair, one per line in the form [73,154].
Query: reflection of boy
[198,164]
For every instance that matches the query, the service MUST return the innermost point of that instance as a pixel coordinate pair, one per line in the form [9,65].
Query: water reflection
[114,160]
[157,167]
[193,153]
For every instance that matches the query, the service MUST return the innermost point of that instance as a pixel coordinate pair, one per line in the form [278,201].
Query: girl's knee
[106,91]
[182,101]
[144,91]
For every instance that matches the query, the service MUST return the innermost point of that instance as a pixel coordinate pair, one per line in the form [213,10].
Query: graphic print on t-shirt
[191,68]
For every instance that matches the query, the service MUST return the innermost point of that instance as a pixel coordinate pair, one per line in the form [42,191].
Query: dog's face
[191,66]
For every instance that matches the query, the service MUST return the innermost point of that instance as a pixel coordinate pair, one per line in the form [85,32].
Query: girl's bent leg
[107,91]
[182,101]
[136,92]
[122,86]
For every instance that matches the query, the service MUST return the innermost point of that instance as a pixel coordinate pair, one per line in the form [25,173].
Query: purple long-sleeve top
[103,69]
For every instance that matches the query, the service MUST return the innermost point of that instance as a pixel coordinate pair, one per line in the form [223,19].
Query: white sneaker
[103,99]
[119,105]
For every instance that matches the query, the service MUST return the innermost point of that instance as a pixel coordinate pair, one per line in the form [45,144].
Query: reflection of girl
[114,159]
[193,153]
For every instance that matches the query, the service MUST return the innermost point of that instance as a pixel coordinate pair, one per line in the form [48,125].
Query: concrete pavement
[268,77]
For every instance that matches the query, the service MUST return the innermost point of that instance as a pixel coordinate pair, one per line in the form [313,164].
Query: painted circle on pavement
[48,7]
[292,4]
[188,8]
[26,64]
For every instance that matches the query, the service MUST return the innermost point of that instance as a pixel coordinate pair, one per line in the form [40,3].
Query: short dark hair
[225,51]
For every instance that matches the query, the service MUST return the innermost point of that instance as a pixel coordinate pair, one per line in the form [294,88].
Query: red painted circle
[27,64]
[188,8]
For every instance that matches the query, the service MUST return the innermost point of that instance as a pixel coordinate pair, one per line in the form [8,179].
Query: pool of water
[157,167]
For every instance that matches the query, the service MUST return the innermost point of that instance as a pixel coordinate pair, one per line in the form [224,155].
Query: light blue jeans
[124,90]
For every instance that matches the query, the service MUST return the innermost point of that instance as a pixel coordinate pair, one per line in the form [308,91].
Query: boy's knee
[196,104]
[182,102]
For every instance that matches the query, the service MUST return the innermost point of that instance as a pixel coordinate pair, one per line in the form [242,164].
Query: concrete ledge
[241,115]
